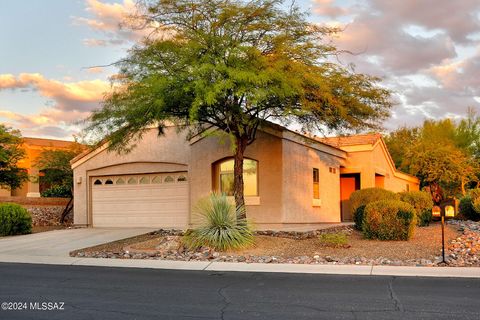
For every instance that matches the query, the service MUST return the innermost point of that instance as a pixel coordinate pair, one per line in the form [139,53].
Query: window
[132,181]
[316,184]
[109,181]
[169,179]
[224,177]
[182,178]
[120,181]
[97,182]
[157,179]
[144,180]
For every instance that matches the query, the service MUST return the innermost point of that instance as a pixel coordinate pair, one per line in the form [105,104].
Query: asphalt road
[124,293]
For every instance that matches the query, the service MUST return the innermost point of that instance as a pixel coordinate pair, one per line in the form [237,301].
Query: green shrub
[219,226]
[57,192]
[338,239]
[469,205]
[365,196]
[422,202]
[358,217]
[14,219]
[389,220]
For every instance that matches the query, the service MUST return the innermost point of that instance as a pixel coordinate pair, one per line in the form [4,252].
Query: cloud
[420,48]
[101,42]
[68,96]
[112,21]
[70,102]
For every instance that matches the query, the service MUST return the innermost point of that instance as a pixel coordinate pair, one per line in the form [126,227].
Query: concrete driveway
[59,243]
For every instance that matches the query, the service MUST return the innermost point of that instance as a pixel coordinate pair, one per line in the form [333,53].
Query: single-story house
[33,148]
[291,180]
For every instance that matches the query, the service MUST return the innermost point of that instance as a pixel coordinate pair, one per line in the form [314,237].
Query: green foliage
[389,220]
[338,239]
[11,176]
[232,65]
[367,195]
[469,205]
[358,217]
[398,141]
[443,151]
[14,219]
[57,171]
[58,191]
[422,202]
[219,226]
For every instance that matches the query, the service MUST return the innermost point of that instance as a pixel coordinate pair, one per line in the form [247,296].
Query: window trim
[315,182]
[217,174]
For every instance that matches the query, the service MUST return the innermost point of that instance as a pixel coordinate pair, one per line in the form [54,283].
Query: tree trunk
[68,208]
[463,187]
[241,145]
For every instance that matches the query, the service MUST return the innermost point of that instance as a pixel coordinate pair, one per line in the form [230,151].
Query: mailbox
[449,211]
[436,211]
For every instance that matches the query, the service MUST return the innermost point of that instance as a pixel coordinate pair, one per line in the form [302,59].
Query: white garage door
[146,200]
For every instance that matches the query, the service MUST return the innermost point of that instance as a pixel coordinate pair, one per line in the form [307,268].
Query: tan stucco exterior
[284,169]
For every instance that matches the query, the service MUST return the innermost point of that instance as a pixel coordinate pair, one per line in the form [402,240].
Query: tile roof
[354,140]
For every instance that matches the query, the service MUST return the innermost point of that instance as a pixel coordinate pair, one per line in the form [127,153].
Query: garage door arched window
[98,182]
[223,178]
[109,181]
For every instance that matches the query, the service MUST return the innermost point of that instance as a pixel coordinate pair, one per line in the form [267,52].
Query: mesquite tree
[232,65]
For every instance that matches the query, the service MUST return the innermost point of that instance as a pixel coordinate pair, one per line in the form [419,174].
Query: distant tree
[58,173]
[440,163]
[467,134]
[398,142]
[443,152]
[11,176]
[232,65]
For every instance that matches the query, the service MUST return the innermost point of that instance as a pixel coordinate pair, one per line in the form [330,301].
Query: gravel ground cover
[424,249]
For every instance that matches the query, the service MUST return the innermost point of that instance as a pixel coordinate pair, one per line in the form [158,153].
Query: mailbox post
[447,211]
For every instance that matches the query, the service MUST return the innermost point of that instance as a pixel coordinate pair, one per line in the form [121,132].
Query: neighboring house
[33,148]
[291,180]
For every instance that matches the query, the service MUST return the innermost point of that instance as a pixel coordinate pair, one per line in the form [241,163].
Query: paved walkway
[53,247]
[59,243]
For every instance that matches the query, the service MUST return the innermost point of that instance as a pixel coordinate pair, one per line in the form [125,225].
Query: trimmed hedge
[358,217]
[14,219]
[389,220]
[422,202]
[365,196]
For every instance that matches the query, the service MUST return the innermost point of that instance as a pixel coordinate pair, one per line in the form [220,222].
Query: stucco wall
[167,153]
[392,182]
[267,150]
[285,189]
[367,163]
[298,164]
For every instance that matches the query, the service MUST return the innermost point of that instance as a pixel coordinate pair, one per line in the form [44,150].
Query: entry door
[348,184]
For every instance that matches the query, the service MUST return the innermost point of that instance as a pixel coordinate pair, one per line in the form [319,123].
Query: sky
[426,51]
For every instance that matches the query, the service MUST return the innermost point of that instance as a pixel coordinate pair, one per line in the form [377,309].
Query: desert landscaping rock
[462,251]
[48,215]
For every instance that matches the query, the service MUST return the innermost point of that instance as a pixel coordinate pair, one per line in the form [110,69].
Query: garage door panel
[163,204]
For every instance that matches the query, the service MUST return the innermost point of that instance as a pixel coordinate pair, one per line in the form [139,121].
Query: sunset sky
[427,51]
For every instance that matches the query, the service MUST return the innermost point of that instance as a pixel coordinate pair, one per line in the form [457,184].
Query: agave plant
[219,226]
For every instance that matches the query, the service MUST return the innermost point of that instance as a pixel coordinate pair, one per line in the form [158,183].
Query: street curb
[365,270]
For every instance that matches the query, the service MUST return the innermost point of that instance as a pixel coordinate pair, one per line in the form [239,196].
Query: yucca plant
[219,225]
